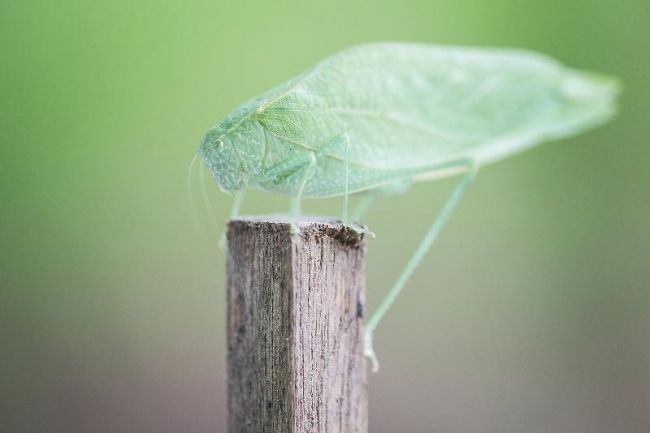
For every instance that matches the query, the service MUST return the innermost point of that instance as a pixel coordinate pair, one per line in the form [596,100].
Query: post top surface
[309,226]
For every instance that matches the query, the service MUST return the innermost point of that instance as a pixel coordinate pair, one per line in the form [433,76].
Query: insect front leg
[470,167]
[238,198]
[284,173]
[296,201]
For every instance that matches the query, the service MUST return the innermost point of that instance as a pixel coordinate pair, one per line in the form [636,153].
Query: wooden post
[295,328]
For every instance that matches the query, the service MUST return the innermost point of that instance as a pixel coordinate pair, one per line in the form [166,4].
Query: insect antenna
[198,226]
[206,199]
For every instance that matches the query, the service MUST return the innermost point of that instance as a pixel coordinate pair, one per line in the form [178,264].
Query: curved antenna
[206,198]
[198,226]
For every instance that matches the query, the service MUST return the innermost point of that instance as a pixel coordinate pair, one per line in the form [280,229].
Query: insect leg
[370,196]
[307,174]
[331,145]
[366,201]
[306,168]
[281,171]
[346,164]
[238,198]
[471,168]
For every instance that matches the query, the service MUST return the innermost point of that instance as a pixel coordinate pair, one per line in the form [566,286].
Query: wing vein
[390,117]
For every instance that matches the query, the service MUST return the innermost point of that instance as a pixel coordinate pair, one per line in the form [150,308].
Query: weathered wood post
[295,328]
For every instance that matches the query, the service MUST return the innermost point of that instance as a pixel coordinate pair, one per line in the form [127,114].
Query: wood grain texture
[295,328]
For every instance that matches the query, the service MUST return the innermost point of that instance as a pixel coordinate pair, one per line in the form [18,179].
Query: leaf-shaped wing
[405,105]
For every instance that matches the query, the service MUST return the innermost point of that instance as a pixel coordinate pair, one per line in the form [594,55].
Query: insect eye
[219,144]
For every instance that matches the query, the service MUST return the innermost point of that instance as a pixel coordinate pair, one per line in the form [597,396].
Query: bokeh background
[531,314]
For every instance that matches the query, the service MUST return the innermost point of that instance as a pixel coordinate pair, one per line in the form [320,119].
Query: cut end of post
[296,308]
[350,235]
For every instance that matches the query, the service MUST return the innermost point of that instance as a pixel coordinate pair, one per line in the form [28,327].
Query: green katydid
[379,116]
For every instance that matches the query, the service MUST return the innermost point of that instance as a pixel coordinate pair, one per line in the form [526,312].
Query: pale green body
[404,108]
[378,115]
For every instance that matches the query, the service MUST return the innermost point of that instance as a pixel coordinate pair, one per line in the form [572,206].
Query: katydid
[380,116]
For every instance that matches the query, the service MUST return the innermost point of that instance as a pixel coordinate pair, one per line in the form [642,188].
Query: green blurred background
[531,314]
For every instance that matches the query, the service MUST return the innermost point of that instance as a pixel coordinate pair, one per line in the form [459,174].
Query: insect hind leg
[471,168]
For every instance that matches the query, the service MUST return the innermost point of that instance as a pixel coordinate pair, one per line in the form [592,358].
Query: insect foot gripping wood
[295,328]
